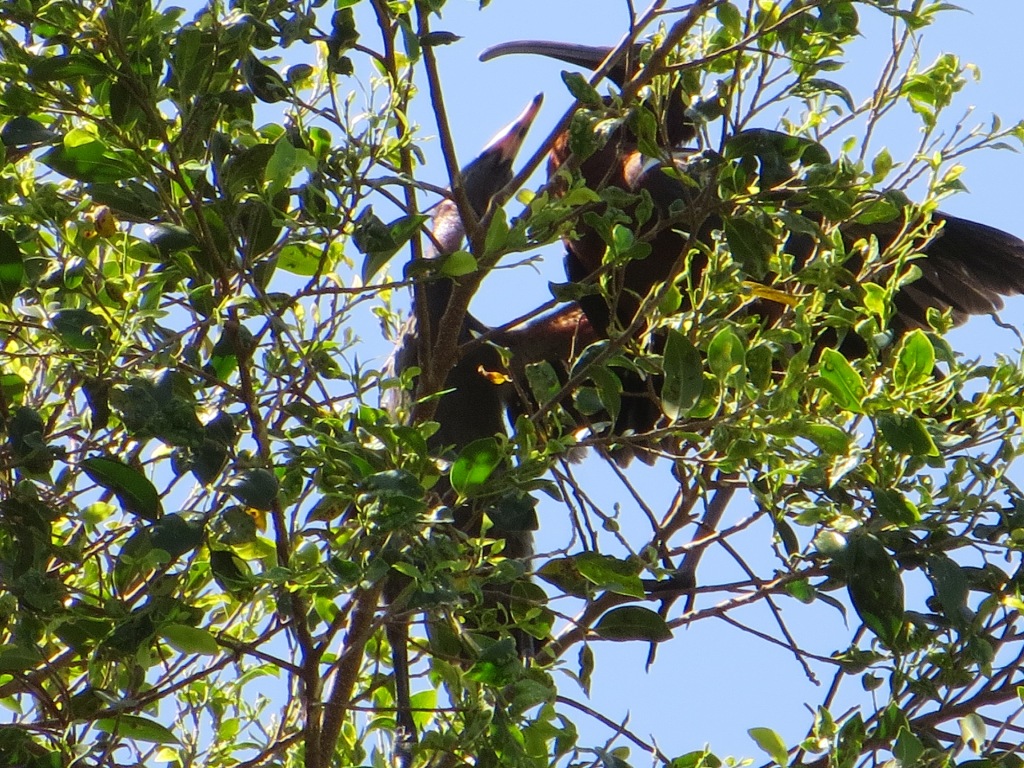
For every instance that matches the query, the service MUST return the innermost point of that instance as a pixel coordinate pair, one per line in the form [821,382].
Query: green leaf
[26,434]
[837,376]
[751,244]
[586,662]
[137,728]
[257,488]
[951,588]
[80,328]
[303,259]
[133,489]
[14,658]
[66,67]
[633,622]
[684,375]
[475,465]
[497,232]
[727,356]
[609,390]
[379,242]
[771,743]
[25,132]
[188,639]
[84,157]
[458,264]
[831,440]
[850,743]
[582,90]
[543,381]
[284,164]
[232,573]
[906,434]
[815,85]
[908,747]
[875,586]
[561,572]
[12,268]
[895,507]
[265,83]
[175,535]
[915,360]
[606,572]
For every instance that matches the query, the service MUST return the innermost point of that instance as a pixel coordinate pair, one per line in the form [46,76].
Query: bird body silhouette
[965,267]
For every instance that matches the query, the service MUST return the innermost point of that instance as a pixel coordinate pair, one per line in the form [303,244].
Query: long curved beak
[589,56]
[508,141]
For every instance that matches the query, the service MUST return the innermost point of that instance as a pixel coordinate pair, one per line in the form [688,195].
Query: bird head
[491,171]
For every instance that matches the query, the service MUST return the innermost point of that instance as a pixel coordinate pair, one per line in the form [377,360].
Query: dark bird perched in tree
[965,267]
[473,407]
[474,397]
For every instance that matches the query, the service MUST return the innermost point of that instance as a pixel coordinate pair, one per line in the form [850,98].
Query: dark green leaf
[26,132]
[26,434]
[133,489]
[684,375]
[16,659]
[379,242]
[264,82]
[815,85]
[175,535]
[951,588]
[80,328]
[83,157]
[586,660]
[257,488]
[232,573]
[67,67]
[433,39]
[750,244]
[875,585]
[543,381]
[633,622]
[906,434]
[895,507]
[562,573]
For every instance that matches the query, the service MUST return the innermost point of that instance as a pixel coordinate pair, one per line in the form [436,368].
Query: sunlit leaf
[771,743]
[840,379]
[137,728]
[475,465]
[190,639]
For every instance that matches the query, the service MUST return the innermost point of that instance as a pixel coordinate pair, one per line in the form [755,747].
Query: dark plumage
[472,406]
[967,267]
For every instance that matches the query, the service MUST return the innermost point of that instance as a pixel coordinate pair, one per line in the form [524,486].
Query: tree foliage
[202,498]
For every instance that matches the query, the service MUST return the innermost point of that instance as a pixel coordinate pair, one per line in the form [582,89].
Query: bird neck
[448,232]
